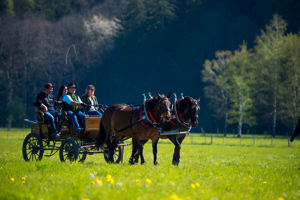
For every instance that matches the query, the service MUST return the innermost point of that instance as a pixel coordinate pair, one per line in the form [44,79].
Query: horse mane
[189,100]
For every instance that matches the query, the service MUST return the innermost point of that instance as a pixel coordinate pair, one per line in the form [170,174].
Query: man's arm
[39,99]
[69,101]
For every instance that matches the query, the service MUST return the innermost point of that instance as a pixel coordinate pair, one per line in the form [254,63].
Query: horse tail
[101,137]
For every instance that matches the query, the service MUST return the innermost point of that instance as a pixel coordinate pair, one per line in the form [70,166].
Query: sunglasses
[92,89]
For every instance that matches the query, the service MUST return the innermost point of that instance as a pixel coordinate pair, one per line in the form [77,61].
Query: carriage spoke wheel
[33,147]
[68,150]
[117,156]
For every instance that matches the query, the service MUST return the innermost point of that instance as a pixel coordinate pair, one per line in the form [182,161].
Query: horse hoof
[144,163]
[156,163]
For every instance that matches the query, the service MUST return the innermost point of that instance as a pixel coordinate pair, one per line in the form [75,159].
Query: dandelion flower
[265,182]
[197,184]
[193,186]
[23,178]
[148,181]
[175,197]
[280,198]
[137,180]
[12,179]
[93,182]
[108,177]
[85,199]
[99,182]
[23,181]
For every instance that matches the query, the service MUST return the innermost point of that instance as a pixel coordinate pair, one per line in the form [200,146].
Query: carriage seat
[39,114]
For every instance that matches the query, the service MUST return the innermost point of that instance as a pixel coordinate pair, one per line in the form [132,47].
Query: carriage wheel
[33,147]
[82,156]
[117,156]
[68,150]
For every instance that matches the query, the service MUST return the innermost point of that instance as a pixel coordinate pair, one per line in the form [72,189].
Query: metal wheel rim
[33,149]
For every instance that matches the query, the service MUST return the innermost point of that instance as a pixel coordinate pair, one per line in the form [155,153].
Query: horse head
[163,106]
[191,108]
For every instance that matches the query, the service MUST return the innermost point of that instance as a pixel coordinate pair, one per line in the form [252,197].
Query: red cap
[48,85]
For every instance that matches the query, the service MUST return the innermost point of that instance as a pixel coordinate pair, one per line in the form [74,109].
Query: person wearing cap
[46,101]
[72,102]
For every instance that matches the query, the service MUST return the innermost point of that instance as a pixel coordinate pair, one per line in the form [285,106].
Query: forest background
[240,57]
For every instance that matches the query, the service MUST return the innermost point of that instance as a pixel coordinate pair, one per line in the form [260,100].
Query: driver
[72,102]
[47,101]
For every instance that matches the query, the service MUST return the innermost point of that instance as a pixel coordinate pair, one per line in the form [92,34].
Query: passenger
[47,101]
[90,99]
[72,102]
[62,91]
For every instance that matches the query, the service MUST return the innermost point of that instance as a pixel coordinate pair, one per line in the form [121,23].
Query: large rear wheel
[118,156]
[68,150]
[33,147]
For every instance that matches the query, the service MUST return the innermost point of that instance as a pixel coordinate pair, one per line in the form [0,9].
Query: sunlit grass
[206,172]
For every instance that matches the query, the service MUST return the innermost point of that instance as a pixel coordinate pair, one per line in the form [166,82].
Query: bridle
[161,110]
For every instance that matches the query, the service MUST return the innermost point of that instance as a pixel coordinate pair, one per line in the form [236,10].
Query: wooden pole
[289,142]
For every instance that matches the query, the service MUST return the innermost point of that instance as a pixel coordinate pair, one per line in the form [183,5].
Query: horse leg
[154,148]
[180,139]
[141,151]
[135,143]
[176,154]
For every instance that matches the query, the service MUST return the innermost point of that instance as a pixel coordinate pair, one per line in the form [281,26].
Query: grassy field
[217,171]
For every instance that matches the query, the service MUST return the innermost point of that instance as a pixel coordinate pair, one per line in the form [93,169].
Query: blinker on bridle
[159,108]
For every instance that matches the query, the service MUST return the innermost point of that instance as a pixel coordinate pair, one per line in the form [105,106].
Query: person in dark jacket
[72,102]
[46,101]
[90,99]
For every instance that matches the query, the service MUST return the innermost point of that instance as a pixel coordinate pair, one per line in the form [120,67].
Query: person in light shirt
[72,104]
[90,99]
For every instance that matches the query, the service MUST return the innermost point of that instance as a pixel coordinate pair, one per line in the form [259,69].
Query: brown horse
[187,116]
[117,122]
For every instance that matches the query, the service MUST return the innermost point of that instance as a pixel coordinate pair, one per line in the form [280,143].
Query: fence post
[289,143]
[23,130]
[211,139]
[192,139]
[253,141]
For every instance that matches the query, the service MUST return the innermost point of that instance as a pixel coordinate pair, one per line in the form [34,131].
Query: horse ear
[158,95]
[169,95]
[198,100]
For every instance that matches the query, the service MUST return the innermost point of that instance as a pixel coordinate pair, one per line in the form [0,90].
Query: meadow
[207,171]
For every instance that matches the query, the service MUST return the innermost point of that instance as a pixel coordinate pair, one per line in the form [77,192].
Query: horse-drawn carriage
[153,119]
[71,145]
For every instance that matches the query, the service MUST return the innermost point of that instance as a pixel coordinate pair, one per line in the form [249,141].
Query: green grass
[217,171]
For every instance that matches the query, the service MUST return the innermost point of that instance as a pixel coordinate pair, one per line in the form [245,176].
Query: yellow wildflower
[280,198]
[148,181]
[23,178]
[193,186]
[85,199]
[197,184]
[23,181]
[265,182]
[93,182]
[137,180]
[99,182]
[175,197]
[108,177]
[12,179]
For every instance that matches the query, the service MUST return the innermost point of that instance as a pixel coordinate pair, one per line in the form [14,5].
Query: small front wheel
[68,150]
[33,147]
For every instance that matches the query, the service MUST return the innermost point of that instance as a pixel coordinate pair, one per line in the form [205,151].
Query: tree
[241,82]
[269,53]
[215,75]
[289,89]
